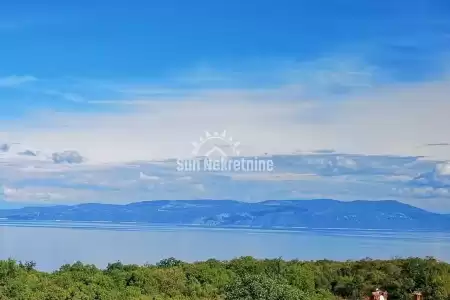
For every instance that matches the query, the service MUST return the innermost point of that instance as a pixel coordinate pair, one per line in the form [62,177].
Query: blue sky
[127,84]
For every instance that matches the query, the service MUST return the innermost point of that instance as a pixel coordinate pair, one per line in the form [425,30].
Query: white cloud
[15,80]
[37,195]
[439,177]
[389,121]
[443,169]
[271,176]
[144,176]
[126,145]
[295,176]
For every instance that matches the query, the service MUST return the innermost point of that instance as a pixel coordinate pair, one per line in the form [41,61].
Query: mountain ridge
[314,213]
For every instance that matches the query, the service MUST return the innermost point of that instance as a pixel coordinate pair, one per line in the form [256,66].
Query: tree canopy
[243,278]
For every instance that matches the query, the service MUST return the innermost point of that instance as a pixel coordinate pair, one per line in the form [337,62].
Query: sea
[53,244]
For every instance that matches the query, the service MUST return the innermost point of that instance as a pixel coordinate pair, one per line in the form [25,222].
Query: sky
[349,99]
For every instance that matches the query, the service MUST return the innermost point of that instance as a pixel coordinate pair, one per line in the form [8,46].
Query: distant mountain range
[321,213]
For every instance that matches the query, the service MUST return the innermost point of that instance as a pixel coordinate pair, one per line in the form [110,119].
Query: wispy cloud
[361,143]
[16,80]
[66,96]
[438,144]
[276,121]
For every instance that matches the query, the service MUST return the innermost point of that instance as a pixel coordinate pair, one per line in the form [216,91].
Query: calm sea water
[53,244]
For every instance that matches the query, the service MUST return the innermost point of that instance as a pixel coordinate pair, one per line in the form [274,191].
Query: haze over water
[51,245]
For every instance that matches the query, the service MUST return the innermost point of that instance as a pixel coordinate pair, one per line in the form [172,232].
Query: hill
[319,213]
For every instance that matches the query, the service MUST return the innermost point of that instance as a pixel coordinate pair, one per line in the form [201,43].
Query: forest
[244,278]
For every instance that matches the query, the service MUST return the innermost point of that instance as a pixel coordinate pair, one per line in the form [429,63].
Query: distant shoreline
[142,226]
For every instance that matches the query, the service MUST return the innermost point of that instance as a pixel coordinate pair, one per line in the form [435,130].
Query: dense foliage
[244,278]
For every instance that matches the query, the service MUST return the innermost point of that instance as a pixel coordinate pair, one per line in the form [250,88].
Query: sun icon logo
[217,145]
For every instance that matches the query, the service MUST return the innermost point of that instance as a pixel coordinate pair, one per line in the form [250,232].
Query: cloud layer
[41,179]
[401,119]
[388,141]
